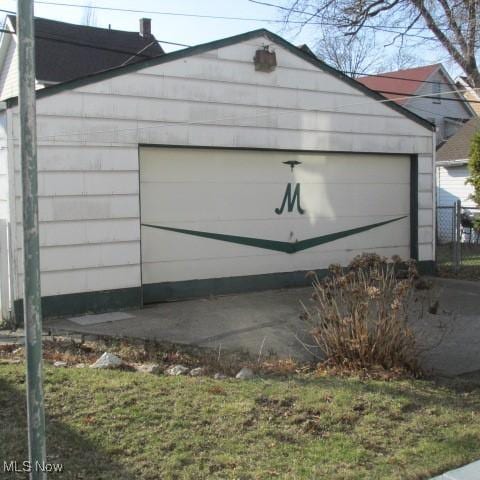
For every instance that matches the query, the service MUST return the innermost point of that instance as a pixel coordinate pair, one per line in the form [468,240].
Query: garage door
[214,220]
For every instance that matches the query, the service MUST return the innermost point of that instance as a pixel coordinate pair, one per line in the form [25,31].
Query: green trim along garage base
[128,298]
[160,292]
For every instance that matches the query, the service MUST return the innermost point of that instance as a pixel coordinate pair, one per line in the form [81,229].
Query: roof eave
[452,163]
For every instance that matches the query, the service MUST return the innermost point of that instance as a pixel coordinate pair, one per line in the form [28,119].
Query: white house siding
[89,136]
[9,71]
[3,166]
[4,218]
[451,186]
[436,112]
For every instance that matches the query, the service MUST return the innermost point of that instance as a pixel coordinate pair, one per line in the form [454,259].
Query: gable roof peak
[222,43]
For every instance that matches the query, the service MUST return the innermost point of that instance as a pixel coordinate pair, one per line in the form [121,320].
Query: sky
[190,31]
[187,30]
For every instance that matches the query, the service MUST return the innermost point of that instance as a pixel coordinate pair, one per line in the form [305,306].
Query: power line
[135,55]
[185,45]
[316,14]
[216,120]
[381,28]
[382,75]
[432,118]
[91,45]
[437,96]
[8,11]
[165,13]
[144,56]
[73,42]
[66,40]
[218,17]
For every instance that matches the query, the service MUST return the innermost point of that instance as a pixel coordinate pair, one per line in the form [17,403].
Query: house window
[436,92]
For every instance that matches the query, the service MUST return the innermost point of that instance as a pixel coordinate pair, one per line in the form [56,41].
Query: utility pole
[31,250]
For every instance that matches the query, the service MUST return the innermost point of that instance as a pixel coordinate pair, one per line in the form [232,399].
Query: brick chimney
[145,27]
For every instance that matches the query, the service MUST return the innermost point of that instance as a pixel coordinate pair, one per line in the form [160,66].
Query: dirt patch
[79,352]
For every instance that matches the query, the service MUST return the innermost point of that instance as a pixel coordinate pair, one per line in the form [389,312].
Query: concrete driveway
[255,322]
[452,336]
[270,322]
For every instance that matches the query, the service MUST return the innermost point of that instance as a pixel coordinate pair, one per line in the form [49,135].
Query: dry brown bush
[359,314]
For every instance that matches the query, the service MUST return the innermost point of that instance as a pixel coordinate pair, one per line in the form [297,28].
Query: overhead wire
[437,96]
[386,100]
[387,29]
[311,14]
[391,77]
[11,12]
[68,41]
[133,54]
[177,14]
[219,119]
[65,39]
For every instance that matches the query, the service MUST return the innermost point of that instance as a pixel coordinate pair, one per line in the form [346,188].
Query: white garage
[203,171]
[208,215]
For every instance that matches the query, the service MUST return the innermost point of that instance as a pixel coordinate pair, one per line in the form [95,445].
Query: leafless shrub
[359,314]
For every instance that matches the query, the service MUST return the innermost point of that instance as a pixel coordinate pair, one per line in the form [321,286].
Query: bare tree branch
[351,55]
[447,43]
[453,24]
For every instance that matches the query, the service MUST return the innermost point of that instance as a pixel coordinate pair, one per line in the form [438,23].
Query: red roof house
[404,83]
[427,91]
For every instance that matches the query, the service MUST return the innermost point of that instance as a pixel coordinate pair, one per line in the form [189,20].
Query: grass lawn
[126,425]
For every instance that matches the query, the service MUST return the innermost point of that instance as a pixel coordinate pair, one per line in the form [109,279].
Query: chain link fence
[458,239]
[446,222]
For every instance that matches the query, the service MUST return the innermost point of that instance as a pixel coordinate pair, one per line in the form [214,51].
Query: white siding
[9,71]
[4,219]
[3,167]
[451,186]
[89,136]
[446,114]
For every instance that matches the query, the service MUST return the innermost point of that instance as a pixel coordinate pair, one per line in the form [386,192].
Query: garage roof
[198,49]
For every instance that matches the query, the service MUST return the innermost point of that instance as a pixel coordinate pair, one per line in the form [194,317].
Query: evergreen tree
[474,167]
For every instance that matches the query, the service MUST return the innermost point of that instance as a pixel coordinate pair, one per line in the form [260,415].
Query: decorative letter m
[290,200]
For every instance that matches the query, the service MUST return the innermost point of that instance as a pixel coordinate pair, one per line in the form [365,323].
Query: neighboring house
[65,51]
[452,167]
[447,111]
[469,93]
[235,165]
